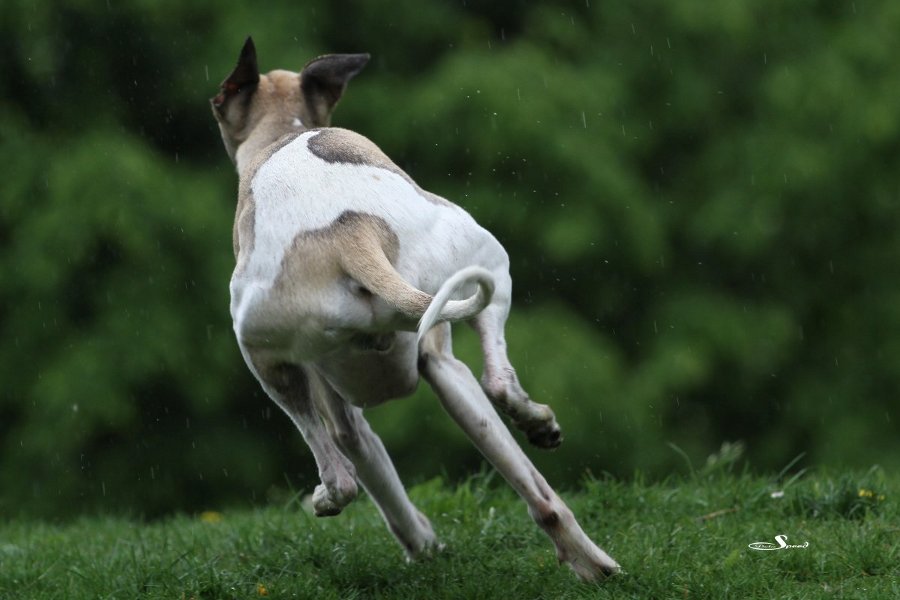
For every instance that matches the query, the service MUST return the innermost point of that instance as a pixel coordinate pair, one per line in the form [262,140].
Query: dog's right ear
[244,77]
[323,81]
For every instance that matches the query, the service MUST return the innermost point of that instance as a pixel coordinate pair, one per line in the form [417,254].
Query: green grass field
[684,538]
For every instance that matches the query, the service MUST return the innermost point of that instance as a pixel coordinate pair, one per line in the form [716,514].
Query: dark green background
[700,201]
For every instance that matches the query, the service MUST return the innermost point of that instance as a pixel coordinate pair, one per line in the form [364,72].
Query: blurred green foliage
[700,201]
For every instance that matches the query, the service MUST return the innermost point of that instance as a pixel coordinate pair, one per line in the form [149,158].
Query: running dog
[347,280]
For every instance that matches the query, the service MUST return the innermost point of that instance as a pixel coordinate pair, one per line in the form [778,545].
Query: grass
[683,538]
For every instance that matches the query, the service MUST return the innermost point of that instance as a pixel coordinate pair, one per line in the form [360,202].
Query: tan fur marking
[252,119]
[357,245]
[336,145]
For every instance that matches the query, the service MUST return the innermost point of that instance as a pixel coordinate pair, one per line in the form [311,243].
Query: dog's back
[304,187]
[313,200]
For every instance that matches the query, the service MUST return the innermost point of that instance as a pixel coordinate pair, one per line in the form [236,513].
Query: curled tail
[374,271]
[444,309]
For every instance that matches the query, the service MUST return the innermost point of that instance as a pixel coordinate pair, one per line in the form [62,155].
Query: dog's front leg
[289,386]
[374,468]
[464,400]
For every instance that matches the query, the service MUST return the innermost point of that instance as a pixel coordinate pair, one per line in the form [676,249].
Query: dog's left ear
[323,81]
[244,77]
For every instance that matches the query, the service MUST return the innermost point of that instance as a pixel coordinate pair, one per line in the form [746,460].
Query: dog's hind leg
[499,380]
[467,404]
[374,469]
[289,386]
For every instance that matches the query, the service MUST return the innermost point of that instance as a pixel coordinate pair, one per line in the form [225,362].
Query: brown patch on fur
[357,245]
[286,379]
[549,520]
[336,145]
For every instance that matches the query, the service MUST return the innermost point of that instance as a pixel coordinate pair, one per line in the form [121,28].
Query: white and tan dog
[341,260]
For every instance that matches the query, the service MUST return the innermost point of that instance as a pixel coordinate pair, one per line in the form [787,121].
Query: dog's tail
[376,273]
[444,309]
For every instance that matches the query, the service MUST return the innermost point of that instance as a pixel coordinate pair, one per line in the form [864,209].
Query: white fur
[295,192]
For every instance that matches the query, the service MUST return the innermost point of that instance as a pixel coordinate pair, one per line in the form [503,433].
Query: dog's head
[280,100]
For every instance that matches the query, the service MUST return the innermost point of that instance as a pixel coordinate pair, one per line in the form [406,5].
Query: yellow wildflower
[261,590]
[211,516]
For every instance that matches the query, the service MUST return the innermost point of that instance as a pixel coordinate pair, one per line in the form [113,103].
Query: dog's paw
[594,567]
[323,504]
[546,435]
[432,550]
[328,503]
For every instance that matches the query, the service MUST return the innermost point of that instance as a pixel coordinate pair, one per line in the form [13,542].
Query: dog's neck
[264,134]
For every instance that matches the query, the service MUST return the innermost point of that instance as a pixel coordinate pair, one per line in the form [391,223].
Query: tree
[699,202]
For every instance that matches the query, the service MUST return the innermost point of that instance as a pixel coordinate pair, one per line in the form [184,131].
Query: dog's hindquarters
[372,268]
[486,309]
